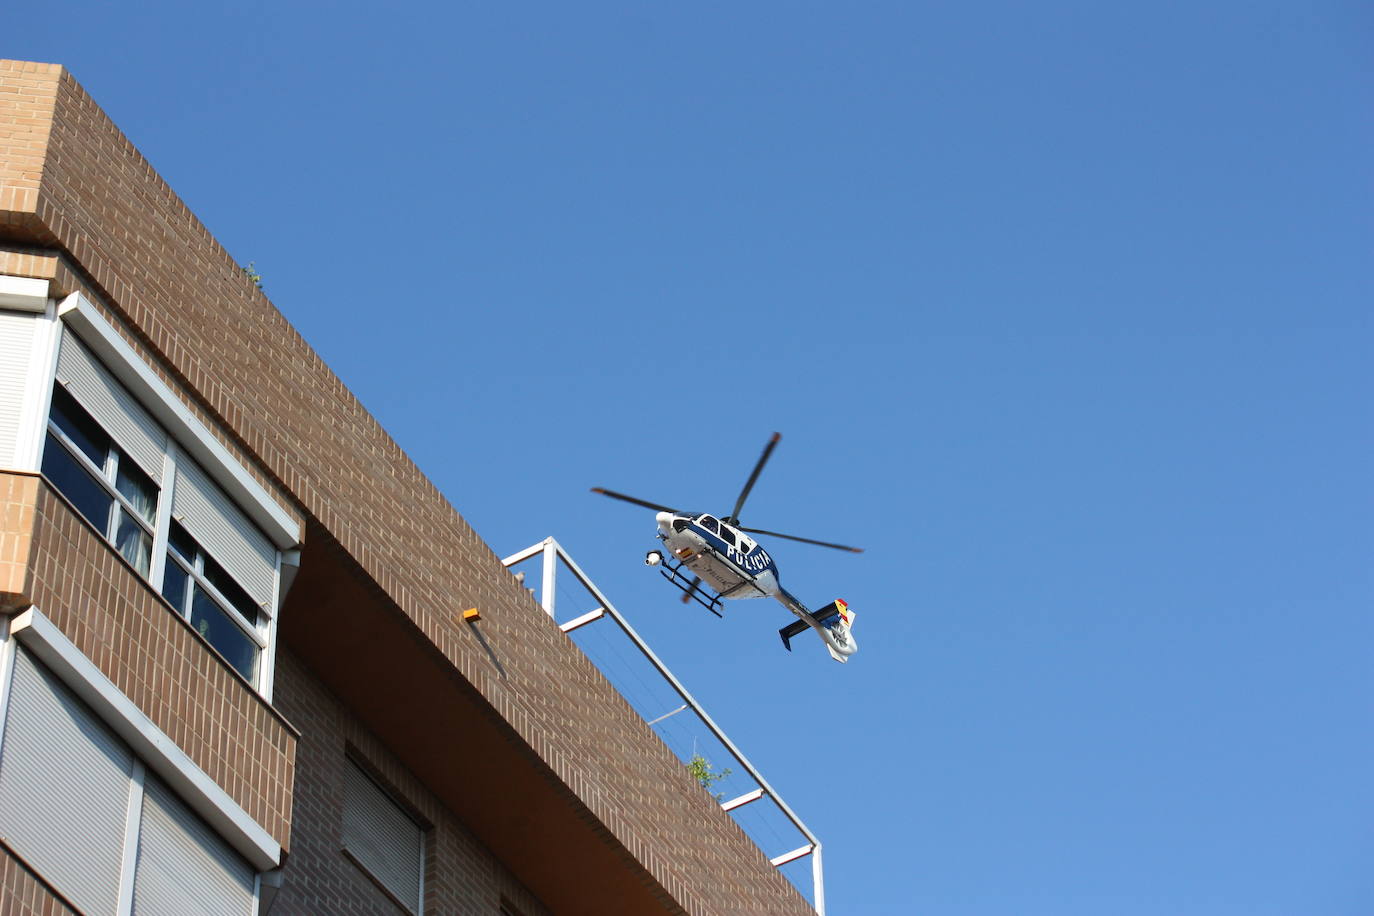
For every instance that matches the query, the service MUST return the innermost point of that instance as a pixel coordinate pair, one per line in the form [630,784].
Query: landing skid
[673,573]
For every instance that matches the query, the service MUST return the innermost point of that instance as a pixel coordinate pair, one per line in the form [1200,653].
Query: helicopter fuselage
[726,559]
[734,565]
[711,558]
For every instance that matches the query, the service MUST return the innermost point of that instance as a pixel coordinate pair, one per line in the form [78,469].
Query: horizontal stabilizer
[792,629]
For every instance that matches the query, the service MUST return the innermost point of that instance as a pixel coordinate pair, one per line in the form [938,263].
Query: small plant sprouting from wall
[704,773]
[251,272]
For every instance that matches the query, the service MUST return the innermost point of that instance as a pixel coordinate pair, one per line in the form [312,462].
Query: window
[217,606]
[160,510]
[382,839]
[82,809]
[104,483]
[708,523]
[182,866]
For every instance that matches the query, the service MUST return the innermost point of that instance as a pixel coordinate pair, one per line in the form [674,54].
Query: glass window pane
[231,590]
[212,622]
[78,425]
[183,542]
[76,483]
[174,580]
[134,544]
[138,488]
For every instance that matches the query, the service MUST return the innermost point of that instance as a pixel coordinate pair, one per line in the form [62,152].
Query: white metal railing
[553,555]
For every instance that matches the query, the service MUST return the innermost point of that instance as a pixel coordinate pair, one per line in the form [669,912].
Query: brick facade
[462,877]
[155,659]
[605,818]
[23,893]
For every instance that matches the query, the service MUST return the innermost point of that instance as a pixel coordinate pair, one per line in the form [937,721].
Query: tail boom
[833,623]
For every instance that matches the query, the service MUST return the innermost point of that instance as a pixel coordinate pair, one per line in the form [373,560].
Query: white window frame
[189,438]
[107,476]
[194,568]
[178,420]
[153,748]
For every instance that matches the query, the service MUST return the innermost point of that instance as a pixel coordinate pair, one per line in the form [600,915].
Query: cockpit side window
[709,524]
[727,535]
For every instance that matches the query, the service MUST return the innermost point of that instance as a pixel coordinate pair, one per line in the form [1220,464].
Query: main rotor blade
[793,537]
[631,499]
[687,592]
[749,484]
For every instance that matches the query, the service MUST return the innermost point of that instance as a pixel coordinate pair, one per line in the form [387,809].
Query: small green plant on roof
[704,773]
[251,272]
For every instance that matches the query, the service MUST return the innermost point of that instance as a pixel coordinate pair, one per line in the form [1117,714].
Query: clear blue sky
[1063,310]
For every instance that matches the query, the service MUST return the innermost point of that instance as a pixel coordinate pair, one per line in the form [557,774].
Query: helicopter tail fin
[838,620]
[835,623]
[836,612]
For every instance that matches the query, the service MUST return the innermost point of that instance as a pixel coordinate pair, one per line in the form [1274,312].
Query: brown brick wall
[23,893]
[80,583]
[462,876]
[27,113]
[18,500]
[160,269]
[67,280]
[28,262]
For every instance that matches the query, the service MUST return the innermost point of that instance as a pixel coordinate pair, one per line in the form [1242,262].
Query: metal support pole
[550,574]
[818,880]
[552,552]
[792,856]
[742,800]
[667,715]
[589,617]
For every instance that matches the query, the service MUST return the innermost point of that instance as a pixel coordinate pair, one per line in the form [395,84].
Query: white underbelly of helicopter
[728,580]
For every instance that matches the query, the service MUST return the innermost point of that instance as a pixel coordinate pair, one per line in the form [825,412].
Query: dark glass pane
[78,425]
[133,543]
[76,483]
[174,581]
[185,544]
[231,590]
[212,622]
[138,488]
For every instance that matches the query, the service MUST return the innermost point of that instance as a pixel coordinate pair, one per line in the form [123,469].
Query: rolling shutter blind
[137,433]
[64,789]
[16,348]
[224,531]
[183,868]
[382,837]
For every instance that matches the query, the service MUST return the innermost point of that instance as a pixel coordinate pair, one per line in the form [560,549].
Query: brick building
[232,678]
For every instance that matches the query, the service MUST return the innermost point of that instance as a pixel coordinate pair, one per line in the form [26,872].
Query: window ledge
[24,294]
[159,752]
[280,526]
[172,612]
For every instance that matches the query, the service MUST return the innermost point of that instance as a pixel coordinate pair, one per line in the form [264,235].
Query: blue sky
[1062,309]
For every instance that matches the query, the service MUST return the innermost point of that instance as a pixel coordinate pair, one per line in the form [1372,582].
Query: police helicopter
[713,558]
